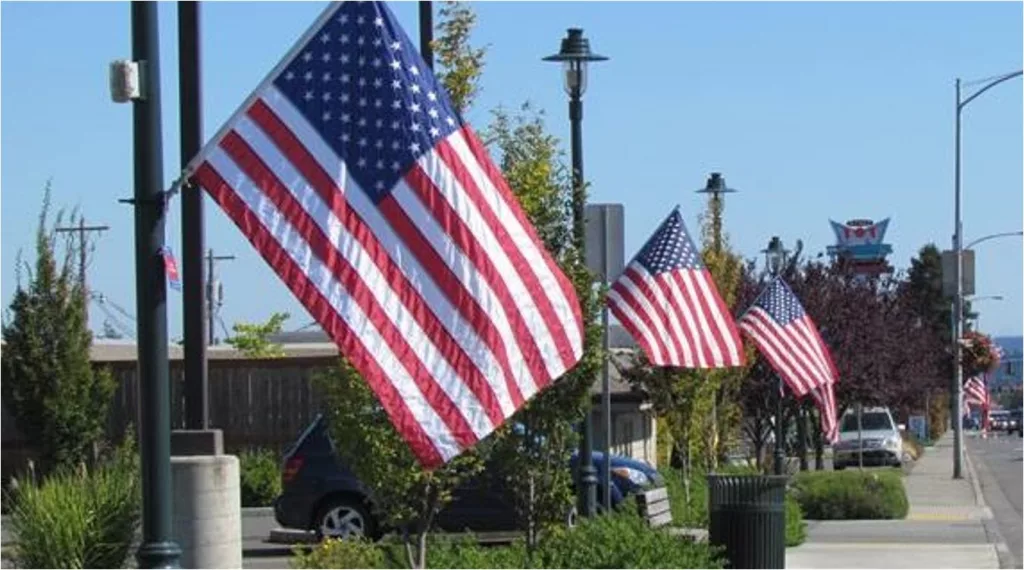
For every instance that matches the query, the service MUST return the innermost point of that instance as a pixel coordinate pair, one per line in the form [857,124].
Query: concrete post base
[207,510]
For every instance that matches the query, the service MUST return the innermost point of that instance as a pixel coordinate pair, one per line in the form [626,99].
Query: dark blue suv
[321,494]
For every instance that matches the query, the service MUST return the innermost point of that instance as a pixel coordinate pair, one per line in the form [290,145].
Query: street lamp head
[775,255]
[575,54]
[716,185]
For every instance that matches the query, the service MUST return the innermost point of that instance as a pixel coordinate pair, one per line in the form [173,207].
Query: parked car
[882,443]
[320,493]
[998,420]
[1013,422]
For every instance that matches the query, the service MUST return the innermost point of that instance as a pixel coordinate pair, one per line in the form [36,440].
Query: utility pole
[81,229]
[214,298]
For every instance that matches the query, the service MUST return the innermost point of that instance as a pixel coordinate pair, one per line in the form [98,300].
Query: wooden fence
[257,403]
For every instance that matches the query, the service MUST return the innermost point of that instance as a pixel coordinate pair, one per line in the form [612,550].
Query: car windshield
[869,421]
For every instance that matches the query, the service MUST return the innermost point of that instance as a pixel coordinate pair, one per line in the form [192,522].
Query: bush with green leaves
[337,553]
[851,494]
[260,477]
[79,518]
[796,526]
[621,540]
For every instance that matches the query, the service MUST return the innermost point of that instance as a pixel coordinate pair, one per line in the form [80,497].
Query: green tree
[460,64]
[406,496]
[922,292]
[532,452]
[58,401]
[253,339]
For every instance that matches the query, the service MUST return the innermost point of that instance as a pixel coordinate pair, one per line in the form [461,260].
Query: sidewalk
[943,528]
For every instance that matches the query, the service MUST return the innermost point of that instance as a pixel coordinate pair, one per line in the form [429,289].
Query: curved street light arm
[993,236]
[994,82]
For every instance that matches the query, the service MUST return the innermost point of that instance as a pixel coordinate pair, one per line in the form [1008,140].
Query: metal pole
[158,548]
[958,309]
[606,388]
[780,432]
[427,32]
[197,409]
[801,430]
[588,473]
[860,437]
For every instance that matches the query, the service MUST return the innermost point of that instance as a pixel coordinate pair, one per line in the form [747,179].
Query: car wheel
[343,518]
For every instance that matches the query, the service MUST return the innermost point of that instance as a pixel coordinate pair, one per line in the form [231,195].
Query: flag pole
[427,32]
[158,548]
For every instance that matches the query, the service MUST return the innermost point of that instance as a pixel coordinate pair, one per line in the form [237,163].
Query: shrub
[796,527]
[79,518]
[851,494]
[911,445]
[467,552]
[621,540]
[260,477]
[336,553]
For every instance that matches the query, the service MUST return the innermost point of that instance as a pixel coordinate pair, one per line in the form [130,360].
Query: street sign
[605,234]
[949,273]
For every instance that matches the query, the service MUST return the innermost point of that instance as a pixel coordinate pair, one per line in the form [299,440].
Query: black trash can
[747,516]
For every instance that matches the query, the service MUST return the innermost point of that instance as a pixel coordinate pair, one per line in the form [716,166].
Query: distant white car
[877,439]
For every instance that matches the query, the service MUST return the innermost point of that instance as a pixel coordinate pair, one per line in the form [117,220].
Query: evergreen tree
[58,401]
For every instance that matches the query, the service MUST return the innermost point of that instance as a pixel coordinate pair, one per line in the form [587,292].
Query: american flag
[351,173]
[668,301]
[976,392]
[789,339]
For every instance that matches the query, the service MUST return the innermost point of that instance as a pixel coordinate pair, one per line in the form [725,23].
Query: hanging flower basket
[978,354]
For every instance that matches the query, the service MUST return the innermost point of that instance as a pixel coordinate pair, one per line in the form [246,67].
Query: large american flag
[789,339]
[668,301]
[353,176]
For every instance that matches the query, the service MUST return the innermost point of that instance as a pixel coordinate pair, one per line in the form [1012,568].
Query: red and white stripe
[976,392]
[677,317]
[441,294]
[795,351]
[825,400]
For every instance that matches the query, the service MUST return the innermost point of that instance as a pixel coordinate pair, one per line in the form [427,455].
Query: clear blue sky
[813,110]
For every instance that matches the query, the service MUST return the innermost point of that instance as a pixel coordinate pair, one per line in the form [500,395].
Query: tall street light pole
[575,55]
[958,305]
[775,257]
[158,548]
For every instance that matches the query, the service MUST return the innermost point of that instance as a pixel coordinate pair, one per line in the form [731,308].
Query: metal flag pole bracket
[165,197]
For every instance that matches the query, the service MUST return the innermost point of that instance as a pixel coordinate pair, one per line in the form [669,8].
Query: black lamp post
[775,257]
[575,54]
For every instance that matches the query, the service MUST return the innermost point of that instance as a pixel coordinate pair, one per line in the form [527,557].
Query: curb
[291,536]
[979,498]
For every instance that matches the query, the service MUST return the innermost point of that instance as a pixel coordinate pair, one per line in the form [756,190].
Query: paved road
[997,461]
